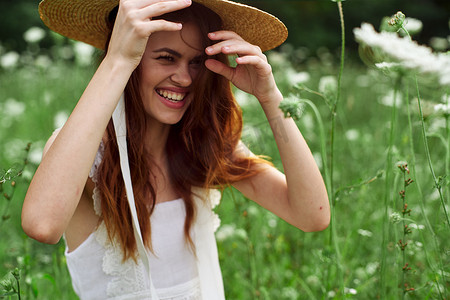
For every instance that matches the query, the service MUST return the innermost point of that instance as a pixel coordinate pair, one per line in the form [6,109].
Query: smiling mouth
[171,96]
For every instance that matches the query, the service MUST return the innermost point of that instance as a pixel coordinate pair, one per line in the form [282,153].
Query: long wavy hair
[200,147]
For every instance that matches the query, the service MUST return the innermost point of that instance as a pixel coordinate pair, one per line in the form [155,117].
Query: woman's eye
[197,61]
[165,57]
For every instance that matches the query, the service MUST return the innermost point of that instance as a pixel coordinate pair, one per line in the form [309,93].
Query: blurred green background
[312,23]
[42,75]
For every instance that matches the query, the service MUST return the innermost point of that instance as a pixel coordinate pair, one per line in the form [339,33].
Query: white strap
[120,127]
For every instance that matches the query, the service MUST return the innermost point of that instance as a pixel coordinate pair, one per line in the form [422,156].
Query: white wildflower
[442,108]
[289,293]
[20,260]
[35,155]
[416,226]
[241,233]
[13,108]
[43,61]
[327,84]
[388,99]
[307,121]
[436,125]
[331,294]
[395,218]
[83,53]
[388,66]
[446,98]
[350,291]
[229,230]
[352,134]
[313,280]
[65,52]
[413,25]
[34,35]
[12,147]
[295,78]
[253,211]
[439,43]
[9,60]
[418,244]
[272,222]
[276,58]
[60,119]
[372,267]
[403,50]
[27,175]
[225,232]
[366,233]
[242,98]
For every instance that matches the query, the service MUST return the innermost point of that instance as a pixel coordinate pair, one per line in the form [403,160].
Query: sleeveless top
[98,272]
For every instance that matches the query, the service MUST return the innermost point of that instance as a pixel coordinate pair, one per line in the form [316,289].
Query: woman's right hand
[134,24]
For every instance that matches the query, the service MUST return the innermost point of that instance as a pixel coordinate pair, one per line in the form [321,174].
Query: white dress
[98,272]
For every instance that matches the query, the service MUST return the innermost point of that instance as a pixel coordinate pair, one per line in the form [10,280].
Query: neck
[155,140]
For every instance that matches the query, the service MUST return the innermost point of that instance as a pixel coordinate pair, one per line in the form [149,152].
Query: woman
[169,58]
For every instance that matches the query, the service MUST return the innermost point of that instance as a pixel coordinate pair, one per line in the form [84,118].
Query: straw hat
[86,21]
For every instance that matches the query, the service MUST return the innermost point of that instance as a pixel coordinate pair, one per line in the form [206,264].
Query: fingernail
[211,34]
[209,49]
[188,1]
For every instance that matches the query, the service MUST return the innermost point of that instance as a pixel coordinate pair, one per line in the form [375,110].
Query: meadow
[379,133]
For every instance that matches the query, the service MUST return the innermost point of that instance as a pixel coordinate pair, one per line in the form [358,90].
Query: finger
[147,28]
[224,35]
[133,4]
[239,48]
[220,68]
[162,7]
[256,61]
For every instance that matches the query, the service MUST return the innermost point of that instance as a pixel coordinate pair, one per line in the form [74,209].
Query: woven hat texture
[87,21]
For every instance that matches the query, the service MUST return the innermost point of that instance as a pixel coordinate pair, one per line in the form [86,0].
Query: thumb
[220,68]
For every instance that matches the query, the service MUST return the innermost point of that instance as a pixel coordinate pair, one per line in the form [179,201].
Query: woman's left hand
[253,74]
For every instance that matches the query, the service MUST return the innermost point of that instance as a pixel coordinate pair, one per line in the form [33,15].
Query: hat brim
[87,21]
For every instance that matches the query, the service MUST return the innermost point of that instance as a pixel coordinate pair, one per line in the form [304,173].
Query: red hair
[200,148]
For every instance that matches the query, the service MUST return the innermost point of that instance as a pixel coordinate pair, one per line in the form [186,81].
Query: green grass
[266,258]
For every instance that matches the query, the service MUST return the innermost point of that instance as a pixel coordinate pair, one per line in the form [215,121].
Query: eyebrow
[168,50]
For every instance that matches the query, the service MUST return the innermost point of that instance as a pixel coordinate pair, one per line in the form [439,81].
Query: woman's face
[170,64]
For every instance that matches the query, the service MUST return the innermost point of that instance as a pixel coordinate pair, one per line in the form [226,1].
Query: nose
[182,75]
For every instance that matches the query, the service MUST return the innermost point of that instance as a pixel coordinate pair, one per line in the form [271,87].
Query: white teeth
[172,96]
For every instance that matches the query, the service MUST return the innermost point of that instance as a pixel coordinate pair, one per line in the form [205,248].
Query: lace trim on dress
[128,277]
[93,174]
[209,198]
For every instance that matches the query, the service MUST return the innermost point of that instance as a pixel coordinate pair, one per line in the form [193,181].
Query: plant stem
[447,129]
[421,203]
[338,96]
[404,236]
[437,184]
[333,232]
[388,190]
[323,153]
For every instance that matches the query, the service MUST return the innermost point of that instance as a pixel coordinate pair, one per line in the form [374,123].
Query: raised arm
[299,196]
[58,184]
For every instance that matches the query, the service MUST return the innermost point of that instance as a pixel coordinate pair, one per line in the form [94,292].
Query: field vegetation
[379,129]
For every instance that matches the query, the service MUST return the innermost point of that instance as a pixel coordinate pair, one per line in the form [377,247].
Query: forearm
[58,183]
[306,192]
